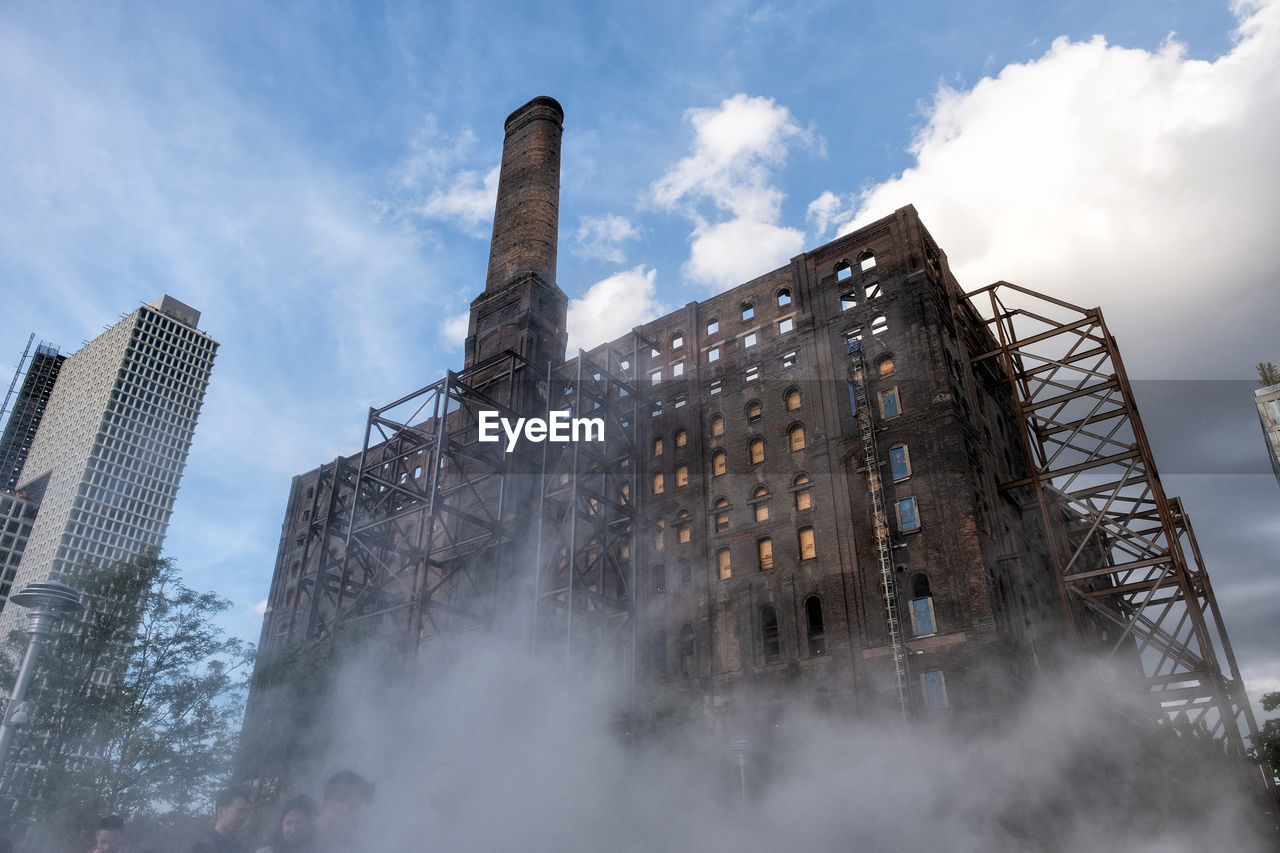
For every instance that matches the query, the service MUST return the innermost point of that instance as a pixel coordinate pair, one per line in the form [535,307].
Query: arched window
[760,499]
[922,619]
[808,549]
[817,629]
[801,485]
[682,475]
[658,484]
[867,260]
[724,564]
[659,577]
[660,652]
[657,535]
[756,449]
[843,271]
[793,399]
[879,325]
[684,532]
[884,365]
[677,340]
[718,462]
[721,511]
[795,436]
[717,425]
[772,647]
[754,410]
[764,553]
[686,572]
[681,438]
[748,311]
[784,297]
[687,650]
[657,447]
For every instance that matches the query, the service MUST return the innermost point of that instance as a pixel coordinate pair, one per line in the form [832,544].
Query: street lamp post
[45,601]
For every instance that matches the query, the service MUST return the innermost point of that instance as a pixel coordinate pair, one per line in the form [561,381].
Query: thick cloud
[613,306]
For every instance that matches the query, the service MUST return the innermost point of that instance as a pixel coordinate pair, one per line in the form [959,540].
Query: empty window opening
[677,340]
[772,647]
[922,617]
[879,325]
[753,373]
[714,388]
[872,290]
[749,340]
[843,271]
[789,359]
[784,297]
[713,326]
[899,463]
[848,299]
[748,311]
[817,629]
[754,410]
[808,548]
[785,325]
[679,401]
[713,354]
[795,436]
[686,650]
[764,552]
[867,261]
[677,369]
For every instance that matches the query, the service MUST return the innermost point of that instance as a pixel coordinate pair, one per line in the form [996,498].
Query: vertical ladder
[888,589]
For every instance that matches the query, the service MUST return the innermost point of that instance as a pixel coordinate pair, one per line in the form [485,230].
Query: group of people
[302,826]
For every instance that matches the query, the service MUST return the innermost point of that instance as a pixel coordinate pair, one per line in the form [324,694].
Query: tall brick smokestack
[522,309]
[527,216]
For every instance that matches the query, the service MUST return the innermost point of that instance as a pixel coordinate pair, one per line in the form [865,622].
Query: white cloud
[261,607]
[454,329]
[612,307]
[727,254]
[737,148]
[600,237]
[467,201]
[1128,178]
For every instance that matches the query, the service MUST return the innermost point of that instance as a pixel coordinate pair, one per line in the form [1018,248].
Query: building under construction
[847,482]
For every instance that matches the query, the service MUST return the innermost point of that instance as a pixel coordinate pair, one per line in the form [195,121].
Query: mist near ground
[505,751]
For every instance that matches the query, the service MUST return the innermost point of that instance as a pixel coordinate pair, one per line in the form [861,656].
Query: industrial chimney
[522,308]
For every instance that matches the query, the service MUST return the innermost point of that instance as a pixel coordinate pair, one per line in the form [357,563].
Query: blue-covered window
[899,462]
[908,520]
[922,615]
[935,690]
[889,407]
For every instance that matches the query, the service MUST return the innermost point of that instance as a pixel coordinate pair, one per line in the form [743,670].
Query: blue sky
[317,179]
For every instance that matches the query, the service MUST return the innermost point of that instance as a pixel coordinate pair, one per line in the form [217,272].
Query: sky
[317,178]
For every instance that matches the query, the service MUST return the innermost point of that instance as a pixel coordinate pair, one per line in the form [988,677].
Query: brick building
[817,485]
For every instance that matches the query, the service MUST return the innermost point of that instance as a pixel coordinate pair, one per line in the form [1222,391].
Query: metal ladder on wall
[880,523]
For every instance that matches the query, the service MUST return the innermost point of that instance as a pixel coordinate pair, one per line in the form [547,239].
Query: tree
[1268,373]
[136,703]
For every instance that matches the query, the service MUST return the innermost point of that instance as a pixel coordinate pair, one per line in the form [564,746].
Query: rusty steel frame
[589,512]
[1119,545]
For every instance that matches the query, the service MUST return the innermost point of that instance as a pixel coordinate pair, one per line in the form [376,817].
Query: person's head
[231,810]
[295,821]
[345,794]
[108,835]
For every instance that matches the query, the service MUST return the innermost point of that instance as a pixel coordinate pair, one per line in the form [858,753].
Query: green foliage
[1266,744]
[1268,373]
[136,704]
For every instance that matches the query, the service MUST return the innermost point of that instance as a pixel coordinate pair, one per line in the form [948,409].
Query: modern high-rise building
[112,443]
[846,483]
[29,408]
[1268,401]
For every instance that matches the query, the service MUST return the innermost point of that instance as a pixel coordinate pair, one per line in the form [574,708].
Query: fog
[502,751]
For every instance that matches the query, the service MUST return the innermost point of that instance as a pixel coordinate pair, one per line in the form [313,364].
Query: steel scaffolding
[1124,552]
